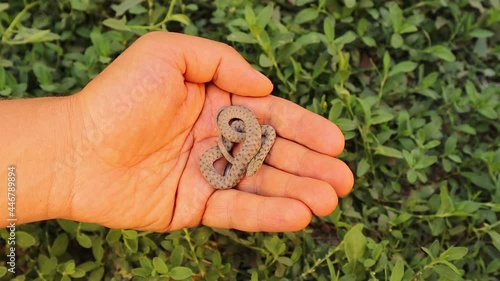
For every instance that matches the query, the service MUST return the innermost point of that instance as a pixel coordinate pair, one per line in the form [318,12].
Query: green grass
[414,85]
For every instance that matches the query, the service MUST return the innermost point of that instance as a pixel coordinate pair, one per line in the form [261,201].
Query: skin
[124,152]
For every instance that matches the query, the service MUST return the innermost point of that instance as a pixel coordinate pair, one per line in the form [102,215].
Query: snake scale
[237,124]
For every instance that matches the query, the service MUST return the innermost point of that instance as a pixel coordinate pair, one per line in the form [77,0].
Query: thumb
[201,60]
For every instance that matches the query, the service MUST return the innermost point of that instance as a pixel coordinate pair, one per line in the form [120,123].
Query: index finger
[297,124]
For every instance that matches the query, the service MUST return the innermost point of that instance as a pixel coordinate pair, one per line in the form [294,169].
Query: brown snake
[237,124]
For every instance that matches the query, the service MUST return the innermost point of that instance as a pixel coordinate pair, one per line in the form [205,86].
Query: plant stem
[15,21]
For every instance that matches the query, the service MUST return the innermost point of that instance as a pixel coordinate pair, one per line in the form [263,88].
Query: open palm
[147,119]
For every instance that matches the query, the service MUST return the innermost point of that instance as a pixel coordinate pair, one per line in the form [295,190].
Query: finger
[296,123]
[201,60]
[298,160]
[250,212]
[318,195]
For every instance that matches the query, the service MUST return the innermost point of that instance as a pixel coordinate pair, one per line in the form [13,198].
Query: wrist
[39,140]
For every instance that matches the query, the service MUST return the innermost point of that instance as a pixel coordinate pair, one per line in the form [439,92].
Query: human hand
[145,121]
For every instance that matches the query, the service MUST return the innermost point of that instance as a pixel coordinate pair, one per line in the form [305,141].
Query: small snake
[237,124]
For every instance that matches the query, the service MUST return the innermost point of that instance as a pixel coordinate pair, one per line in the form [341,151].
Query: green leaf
[250,17]
[42,73]
[264,16]
[388,151]
[160,265]
[69,267]
[402,67]
[129,234]
[177,256]
[481,33]
[363,167]
[300,3]
[488,112]
[346,125]
[495,238]
[411,176]
[180,18]
[437,226]
[241,37]
[79,5]
[285,261]
[446,272]
[446,202]
[350,3]
[3,7]
[97,251]
[335,110]
[455,158]
[397,41]
[480,179]
[481,49]
[430,79]
[407,28]
[124,6]
[396,16]
[113,236]
[274,246]
[24,239]
[78,273]
[2,78]
[366,106]
[146,263]
[493,266]
[381,117]
[141,272]
[264,61]
[425,161]
[216,258]
[441,52]
[454,253]
[369,41]
[84,240]
[132,244]
[346,38]
[329,28]
[387,62]
[3,269]
[398,271]
[60,245]
[306,15]
[430,252]
[31,35]
[180,272]
[120,24]
[403,217]
[97,274]
[450,145]
[368,263]
[355,243]
[46,265]
[466,128]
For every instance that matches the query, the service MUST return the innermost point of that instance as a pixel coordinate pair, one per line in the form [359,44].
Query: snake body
[237,124]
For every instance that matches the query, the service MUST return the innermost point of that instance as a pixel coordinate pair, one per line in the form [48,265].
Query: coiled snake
[237,124]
